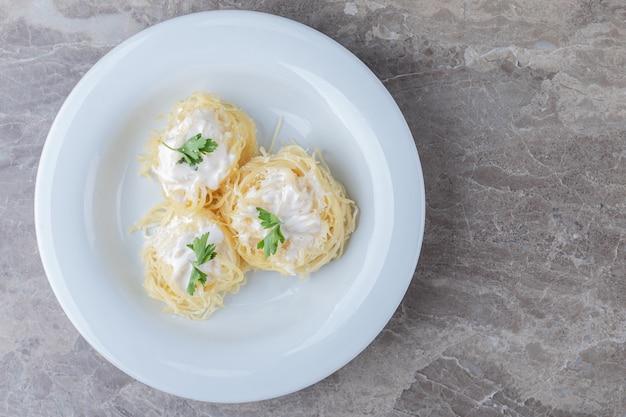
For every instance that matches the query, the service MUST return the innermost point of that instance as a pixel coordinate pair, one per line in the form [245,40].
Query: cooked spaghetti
[186,185]
[168,262]
[227,209]
[316,216]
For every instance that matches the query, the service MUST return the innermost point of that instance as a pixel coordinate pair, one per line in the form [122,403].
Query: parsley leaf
[270,242]
[204,253]
[193,149]
[267,219]
[197,276]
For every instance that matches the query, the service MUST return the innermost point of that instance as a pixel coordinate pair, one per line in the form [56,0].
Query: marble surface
[518,304]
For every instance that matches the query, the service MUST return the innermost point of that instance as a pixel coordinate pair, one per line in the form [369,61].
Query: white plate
[278,334]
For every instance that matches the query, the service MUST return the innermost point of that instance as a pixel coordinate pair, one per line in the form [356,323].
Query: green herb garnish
[193,149]
[204,253]
[270,242]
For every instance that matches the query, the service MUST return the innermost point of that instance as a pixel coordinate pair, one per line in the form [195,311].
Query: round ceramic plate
[278,334]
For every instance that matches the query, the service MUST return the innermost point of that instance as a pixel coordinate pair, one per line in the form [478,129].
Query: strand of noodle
[279,124]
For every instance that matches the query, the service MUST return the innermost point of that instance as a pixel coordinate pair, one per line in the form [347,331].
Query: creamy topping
[180,180]
[170,243]
[295,200]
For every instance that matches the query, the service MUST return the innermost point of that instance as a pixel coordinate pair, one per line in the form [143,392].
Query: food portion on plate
[203,143]
[190,261]
[289,214]
[230,207]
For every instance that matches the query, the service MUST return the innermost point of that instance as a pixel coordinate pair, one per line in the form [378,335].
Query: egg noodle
[239,138]
[250,182]
[337,213]
[227,278]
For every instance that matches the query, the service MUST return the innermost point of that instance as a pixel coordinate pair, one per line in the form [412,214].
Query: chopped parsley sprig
[193,148]
[204,253]
[270,242]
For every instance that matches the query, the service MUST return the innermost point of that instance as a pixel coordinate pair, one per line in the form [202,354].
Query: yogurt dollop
[295,200]
[181,181]
[170,243]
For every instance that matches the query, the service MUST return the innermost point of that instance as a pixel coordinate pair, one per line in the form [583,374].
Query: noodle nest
[337,213]
[227,270]
[237,136]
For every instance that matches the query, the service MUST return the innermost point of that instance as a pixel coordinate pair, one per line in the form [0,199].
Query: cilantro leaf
[270,243]
[193,148]
[204,253]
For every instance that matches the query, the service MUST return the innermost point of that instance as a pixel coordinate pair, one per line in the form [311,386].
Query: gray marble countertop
[518,304]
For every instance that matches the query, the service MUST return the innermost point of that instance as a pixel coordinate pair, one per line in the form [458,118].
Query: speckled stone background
[518,304]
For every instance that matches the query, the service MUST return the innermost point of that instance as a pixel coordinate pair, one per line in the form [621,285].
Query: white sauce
[294,200]
[181,180]
[171,243]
